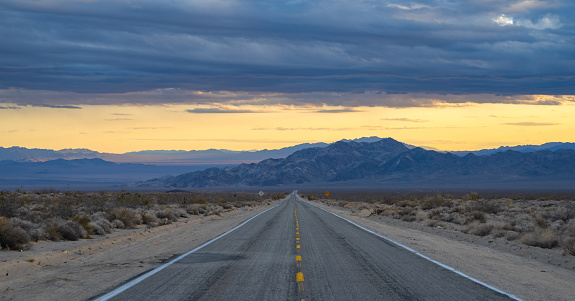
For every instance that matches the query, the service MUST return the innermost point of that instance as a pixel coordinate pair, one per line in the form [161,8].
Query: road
[295,251]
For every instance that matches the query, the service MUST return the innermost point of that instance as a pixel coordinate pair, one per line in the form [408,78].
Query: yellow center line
[299,274]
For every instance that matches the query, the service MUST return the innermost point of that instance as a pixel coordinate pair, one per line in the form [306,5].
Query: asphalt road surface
[296,251]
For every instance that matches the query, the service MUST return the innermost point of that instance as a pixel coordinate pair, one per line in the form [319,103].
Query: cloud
[9,108]
[150,128]
[503,20]
[530,123]
[219,111]
[118,119]
[301,129]
[346,110]
[405,119]
[547,22]
[266,141]
[75,52]
[51,106]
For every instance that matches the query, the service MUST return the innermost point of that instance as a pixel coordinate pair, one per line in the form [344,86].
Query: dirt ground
[528,273]
[79,270]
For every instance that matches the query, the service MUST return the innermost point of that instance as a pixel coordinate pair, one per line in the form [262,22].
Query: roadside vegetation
[538,220]
[47,214]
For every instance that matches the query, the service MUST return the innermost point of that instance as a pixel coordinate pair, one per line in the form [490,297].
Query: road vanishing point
[296,251]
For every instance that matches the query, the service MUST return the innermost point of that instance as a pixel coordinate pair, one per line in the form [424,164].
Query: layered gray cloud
[344,53]
[219,111]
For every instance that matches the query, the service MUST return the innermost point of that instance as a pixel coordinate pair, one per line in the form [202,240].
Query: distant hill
[95,173]
[23,154]
[552,146]
[161,157]
[389,163]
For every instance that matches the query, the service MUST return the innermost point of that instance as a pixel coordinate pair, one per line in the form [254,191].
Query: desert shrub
[478,215]
[193,209]
[498,233]
[97,229]
[407,203]
[13,238]
[179,212]
[436,211]
[129,217]
[118,224]
[512,235]
[447,217]
[432,202]
[421,216]
[24,224]
[408,218]
[150,219]
[435,223]
[37,234]
[542,238]
[474,196]
[203,209]
[64,207]
[167,214]
[219,209]
[571,228]
[569,246]
[35,231]
[85,222]
[459,209]
[71,230]
[541,222]
[53,234]
[461,219]
[479,229]
[487,206]
[103,224]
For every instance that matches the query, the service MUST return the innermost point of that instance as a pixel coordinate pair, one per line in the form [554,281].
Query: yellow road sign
[327,193]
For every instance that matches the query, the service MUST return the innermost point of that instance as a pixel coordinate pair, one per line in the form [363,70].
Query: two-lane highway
[296,251]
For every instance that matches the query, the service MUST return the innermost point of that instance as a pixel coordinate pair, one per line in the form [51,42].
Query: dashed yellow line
[299,274]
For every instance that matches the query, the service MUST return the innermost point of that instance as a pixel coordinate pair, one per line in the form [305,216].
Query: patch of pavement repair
[523,276]
[78,270]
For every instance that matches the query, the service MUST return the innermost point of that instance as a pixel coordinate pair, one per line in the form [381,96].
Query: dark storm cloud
[337,53]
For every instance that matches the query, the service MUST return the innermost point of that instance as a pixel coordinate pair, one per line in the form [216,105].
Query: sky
[119,76]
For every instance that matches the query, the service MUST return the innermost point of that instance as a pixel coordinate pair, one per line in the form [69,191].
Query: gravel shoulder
[83,269]
[525,276]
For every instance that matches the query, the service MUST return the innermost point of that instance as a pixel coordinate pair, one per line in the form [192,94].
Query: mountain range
[221,156]
[388,163]
[370,163]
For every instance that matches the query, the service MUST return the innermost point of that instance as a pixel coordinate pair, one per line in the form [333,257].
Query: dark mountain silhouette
[389,163]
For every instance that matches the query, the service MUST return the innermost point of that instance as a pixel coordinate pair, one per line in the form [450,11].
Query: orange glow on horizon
[119,129]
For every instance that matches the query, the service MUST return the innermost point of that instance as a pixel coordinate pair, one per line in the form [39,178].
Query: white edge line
[421,255]
[130,284]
